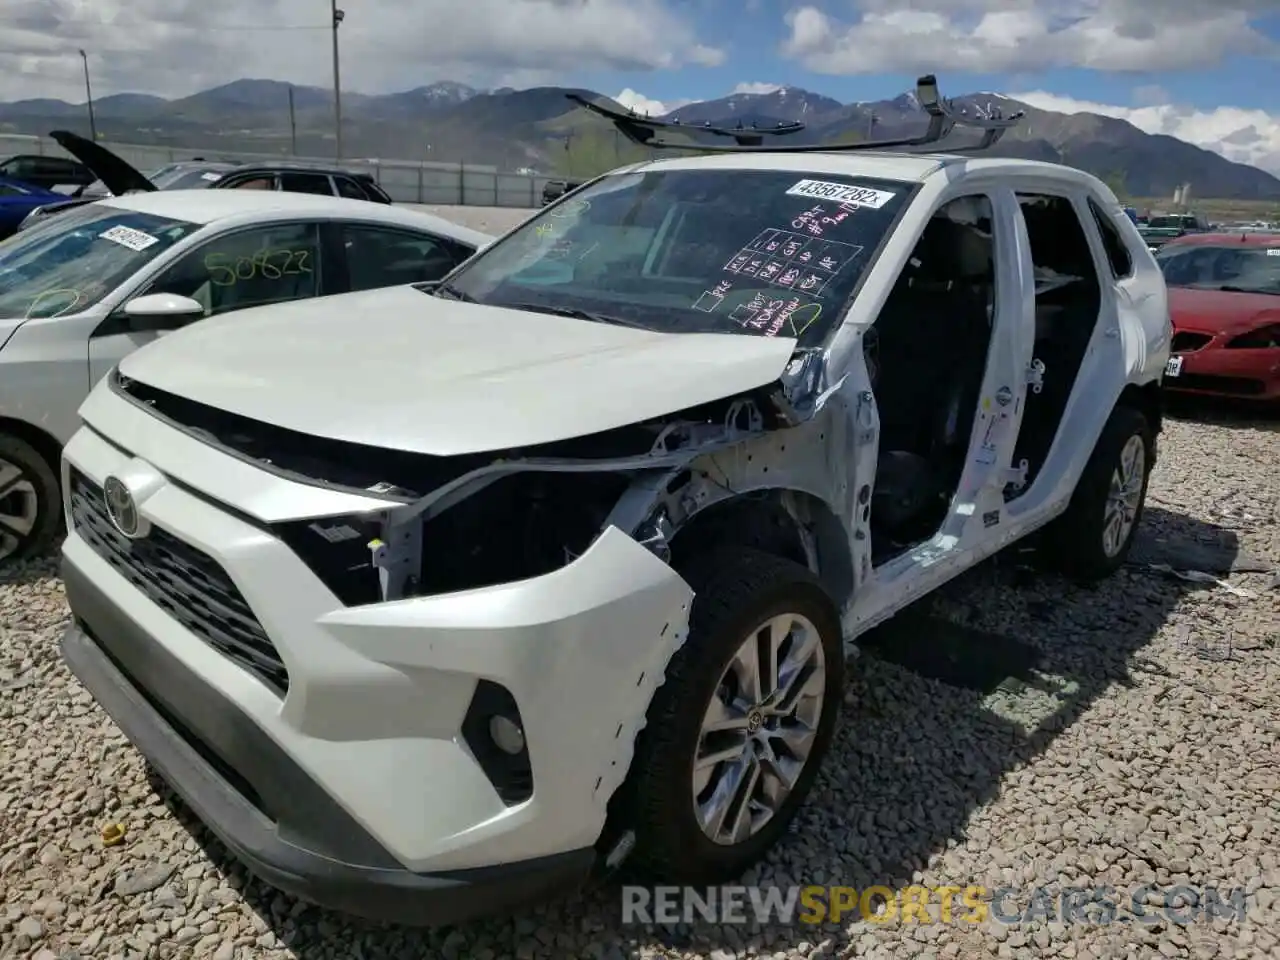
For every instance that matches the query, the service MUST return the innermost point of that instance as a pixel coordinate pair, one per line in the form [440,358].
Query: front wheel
[1093,538]
[30,503]
[735,735]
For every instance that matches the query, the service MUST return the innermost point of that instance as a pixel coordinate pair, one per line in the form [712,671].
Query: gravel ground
[1017,732]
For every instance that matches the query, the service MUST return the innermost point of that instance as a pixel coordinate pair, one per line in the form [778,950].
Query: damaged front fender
[398,553]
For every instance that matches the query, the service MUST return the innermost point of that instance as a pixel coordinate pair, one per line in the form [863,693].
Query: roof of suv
[909,167]
[296,166]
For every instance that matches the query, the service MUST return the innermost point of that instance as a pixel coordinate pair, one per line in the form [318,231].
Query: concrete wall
[408,181]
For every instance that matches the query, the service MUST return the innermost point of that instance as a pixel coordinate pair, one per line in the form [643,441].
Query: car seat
[935,332]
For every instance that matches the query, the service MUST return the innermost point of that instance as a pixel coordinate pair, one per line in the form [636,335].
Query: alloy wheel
[759,728]
[1124,496]
[19,508]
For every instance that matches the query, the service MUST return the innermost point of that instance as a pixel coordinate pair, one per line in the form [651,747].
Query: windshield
[78,257]
[1245,269]
[188,178]
[758,252]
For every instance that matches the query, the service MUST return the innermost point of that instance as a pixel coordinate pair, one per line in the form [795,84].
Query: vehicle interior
[1068,300]
[927,355]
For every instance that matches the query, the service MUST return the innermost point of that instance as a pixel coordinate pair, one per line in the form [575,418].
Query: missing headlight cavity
[520,526]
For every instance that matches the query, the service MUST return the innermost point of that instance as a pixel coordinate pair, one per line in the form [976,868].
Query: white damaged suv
[436,599]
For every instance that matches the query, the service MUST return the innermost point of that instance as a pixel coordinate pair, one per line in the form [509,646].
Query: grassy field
[1216,209]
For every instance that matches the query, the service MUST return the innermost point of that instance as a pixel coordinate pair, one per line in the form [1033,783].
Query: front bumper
[118,662]
[361,773]
[1215,370]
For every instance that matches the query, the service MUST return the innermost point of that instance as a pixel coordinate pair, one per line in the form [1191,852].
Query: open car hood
[400,369]
[116,175]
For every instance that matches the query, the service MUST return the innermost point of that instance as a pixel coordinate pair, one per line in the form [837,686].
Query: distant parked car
[17,200]
[1224,300]
[555,189]
[96,283]
[46,172]
[116,178]
[1161,228]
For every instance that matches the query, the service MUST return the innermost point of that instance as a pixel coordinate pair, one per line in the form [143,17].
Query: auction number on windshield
[226,270]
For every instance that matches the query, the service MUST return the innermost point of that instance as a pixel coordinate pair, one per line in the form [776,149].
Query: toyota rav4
[435,599]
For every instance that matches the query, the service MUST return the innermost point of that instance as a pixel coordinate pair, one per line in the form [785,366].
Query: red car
[1224,298]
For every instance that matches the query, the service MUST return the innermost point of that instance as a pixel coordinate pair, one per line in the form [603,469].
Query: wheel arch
[1147,399]
[785,522]
[42,442]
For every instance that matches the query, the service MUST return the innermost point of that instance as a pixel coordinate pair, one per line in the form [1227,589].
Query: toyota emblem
[121,507]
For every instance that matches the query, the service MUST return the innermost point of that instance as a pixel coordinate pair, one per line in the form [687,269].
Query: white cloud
[1248,136]
[756,88]
[634,100]
[641,104]
[176,47]
[1011,36]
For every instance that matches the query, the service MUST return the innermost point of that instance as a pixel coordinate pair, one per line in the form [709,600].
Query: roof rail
[943,118]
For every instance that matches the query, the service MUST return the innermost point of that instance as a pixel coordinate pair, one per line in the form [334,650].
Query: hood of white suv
[400,369]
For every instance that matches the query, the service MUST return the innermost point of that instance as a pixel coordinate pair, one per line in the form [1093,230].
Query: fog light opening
[506,734]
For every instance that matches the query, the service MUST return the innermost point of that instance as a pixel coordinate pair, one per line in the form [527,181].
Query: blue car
[19,199]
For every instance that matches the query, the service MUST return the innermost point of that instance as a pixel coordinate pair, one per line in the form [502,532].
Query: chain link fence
[407,181]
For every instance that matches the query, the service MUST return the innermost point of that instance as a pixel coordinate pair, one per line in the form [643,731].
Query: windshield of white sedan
[189,178]
[1234,267]
[765,253]
[80,256]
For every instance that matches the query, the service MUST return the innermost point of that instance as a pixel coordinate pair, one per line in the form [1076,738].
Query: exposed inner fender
[680,445]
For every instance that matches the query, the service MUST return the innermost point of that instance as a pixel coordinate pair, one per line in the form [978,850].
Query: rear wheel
[30,513]
[735,735]
[1093,538]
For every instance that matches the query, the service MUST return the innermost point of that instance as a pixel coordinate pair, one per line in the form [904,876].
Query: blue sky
[751,42]
[1202,70]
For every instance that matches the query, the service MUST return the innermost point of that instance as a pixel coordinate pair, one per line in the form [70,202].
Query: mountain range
[540,129]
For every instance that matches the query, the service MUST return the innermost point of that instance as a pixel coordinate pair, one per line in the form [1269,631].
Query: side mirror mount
[161,311]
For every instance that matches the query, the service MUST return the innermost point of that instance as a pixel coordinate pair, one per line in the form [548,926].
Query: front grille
[1238,386]
[184,581]
[1185,341]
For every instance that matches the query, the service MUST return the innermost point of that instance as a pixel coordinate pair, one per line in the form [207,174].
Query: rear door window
[350,189]
[317,183]
[382,257]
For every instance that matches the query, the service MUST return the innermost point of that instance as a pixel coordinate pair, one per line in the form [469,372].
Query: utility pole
[88,92]
[338,16]
[293,125]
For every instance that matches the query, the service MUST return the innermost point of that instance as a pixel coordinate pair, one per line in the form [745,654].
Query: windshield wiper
[449,292]
[577,314]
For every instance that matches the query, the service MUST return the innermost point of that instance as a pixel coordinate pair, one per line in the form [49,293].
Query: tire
[737,592]
[1074,543]
[30,501]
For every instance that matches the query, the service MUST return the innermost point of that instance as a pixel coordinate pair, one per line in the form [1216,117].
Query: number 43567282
[226,271]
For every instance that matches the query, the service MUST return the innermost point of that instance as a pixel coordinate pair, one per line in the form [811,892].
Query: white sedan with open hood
[93,284]
[434,599]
